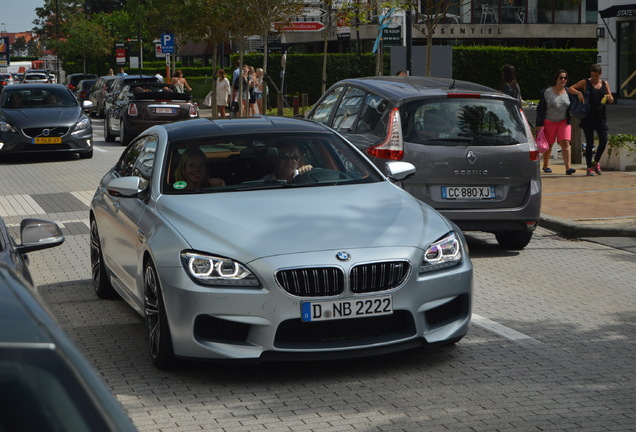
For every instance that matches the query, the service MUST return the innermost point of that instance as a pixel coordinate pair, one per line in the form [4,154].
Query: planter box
[621,159]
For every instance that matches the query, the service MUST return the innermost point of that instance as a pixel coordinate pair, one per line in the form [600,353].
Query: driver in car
[286,163]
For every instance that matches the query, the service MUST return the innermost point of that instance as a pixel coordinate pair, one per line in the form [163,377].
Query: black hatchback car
[139,107]
[476,158]
[73,79]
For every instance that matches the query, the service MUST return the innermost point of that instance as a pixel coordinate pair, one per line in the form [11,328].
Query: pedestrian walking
[258,90]
[251,78]
[598,94]
[223,92]
[122,72]
[241,84]
[553,114]
[510,84]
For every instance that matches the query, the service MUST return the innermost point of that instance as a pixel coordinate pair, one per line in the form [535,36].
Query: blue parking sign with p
[167,43]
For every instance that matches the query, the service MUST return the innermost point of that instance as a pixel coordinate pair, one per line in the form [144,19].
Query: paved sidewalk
[581,206]
[598,206]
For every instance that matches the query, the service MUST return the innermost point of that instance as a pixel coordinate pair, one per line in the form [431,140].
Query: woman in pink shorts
[553,114]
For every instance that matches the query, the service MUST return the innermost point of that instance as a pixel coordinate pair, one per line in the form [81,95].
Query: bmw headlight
[82,124]
[444,253]
[6,127]
[217,271]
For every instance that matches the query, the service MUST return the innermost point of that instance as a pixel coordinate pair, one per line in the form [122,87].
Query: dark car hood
[42,117]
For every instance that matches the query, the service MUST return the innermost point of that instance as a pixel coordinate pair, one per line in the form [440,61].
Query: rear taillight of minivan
[534,150]
[392,147]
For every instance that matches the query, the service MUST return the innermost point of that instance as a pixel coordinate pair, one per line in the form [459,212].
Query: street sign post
[120,53]
[167,43]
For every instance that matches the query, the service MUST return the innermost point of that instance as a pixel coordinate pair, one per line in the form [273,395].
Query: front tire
[159,340]
[513,240]
[108,135]
[101,282]
[124,135]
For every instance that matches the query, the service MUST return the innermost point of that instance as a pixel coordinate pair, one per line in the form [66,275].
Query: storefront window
[591,11]
[558,11]
[627,60]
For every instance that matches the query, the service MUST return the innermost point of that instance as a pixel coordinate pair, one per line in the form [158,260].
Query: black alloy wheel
[159,340]
[108,135]
[101,282]
[124,135]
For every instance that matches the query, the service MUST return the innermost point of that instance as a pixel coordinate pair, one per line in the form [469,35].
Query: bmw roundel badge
[343,256]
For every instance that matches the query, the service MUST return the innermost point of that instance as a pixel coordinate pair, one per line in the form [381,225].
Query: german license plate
[343,309]
[468,192]
[47,140]
[165,110]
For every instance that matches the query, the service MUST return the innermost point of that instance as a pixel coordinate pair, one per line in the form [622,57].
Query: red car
[141,105]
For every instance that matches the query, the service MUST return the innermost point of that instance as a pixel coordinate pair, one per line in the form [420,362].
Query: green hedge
[535,67]
[480,64]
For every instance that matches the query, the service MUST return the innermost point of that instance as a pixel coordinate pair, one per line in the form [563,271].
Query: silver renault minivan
[477,161]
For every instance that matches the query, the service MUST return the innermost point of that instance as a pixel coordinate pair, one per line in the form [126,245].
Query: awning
[621,11]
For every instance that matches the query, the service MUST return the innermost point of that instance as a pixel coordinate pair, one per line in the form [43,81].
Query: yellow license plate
[47,140]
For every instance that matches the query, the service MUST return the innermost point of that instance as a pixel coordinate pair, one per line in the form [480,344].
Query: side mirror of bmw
[126,187]
[37,234]
[397,171]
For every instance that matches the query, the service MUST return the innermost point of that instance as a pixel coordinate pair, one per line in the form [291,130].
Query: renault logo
[472,158]
[343,256]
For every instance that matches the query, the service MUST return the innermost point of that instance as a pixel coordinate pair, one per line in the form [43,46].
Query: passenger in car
[287,163]
[192,173]
[15,101]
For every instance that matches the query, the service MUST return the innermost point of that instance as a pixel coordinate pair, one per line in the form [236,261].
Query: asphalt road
[551,345]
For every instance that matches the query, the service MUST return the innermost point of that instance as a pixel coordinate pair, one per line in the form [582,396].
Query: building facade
[617,47]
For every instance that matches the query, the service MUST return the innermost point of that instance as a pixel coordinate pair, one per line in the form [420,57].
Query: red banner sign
[300,26]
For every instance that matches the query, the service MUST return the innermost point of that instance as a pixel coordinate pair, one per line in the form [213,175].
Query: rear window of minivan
[470,121]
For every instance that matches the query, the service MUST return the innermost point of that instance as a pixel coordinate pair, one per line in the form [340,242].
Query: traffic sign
[167,43]
[313,12]
[392,36]
[300,26]
[120,53]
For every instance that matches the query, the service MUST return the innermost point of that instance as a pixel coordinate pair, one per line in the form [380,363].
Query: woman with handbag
[553,115]
[598,93]
[223,92]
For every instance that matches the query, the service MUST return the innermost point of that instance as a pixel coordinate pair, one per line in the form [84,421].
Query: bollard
[279,103]
[296,104]
[304,101]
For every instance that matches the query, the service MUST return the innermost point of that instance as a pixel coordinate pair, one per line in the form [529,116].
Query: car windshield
[469,121]
[263,161]
[37,98]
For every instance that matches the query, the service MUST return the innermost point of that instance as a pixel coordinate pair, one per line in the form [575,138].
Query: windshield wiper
[261,184]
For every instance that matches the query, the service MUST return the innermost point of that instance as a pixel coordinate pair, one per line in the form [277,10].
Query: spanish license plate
[342,309]
[166,110]
[47,140]
[468,192]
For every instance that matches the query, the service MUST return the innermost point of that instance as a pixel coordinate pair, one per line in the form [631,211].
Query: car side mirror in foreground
[126,187]
[37,234]
[397,171]
[87,104]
